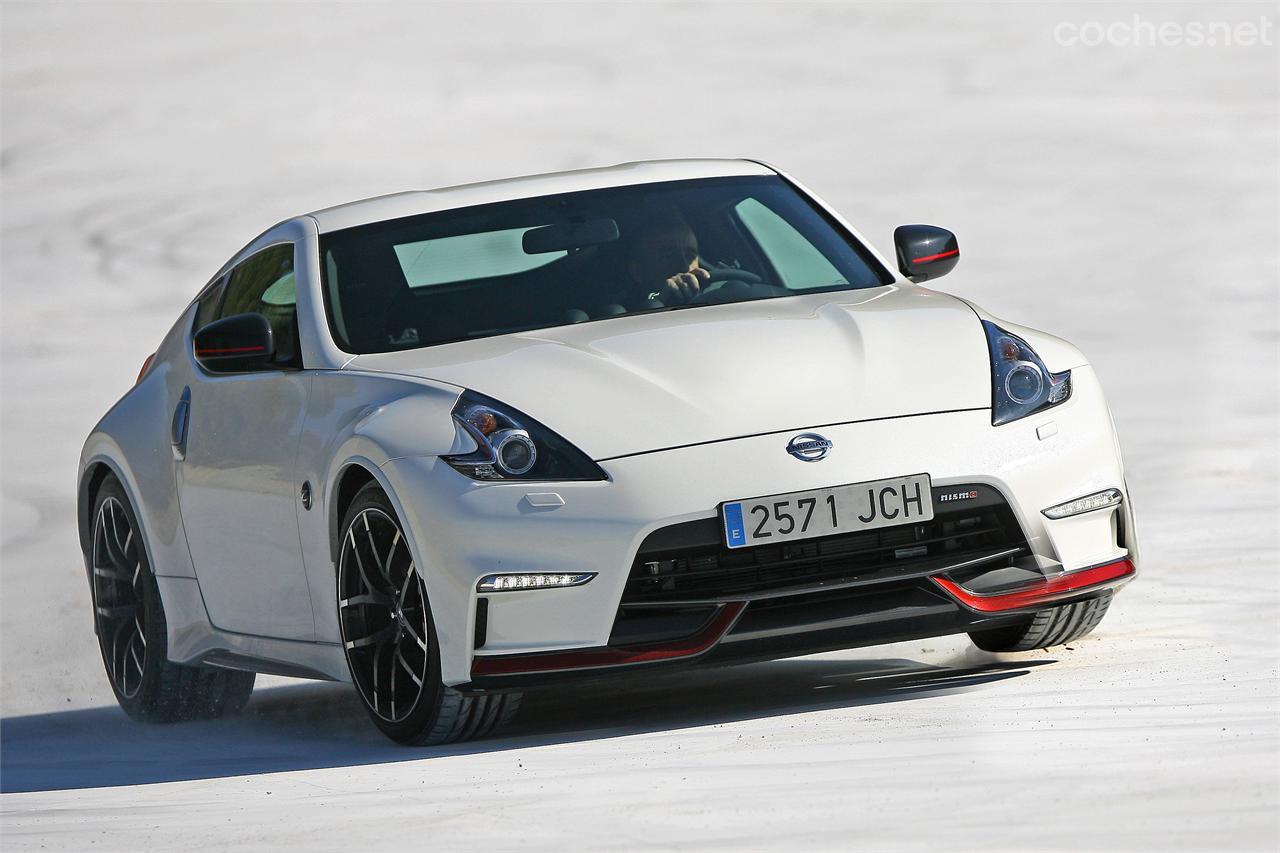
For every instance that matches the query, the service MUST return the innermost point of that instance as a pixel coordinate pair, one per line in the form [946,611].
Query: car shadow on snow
[314,725]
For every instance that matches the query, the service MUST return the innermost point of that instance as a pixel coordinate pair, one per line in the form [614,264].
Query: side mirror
[235,344]
[925,251]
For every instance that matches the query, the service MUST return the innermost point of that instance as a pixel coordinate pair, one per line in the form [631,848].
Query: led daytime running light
[1088,503]
[505,583]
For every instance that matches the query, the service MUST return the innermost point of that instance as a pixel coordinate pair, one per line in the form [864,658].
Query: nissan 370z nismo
[448,445]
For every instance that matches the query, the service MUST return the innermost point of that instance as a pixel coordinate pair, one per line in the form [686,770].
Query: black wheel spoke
[391,550]
[116,519]
[119,611]
[133,655]
[355,551]
[111,574]
[373,549]
[404,587]
[392,689]
[378,638]
[412,632]
[374,599]
[116,657]
[405,664]
[377,655]
[103,538]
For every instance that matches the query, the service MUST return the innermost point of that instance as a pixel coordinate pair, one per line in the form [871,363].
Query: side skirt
[195,642]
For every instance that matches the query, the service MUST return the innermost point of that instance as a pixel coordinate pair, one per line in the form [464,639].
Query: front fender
[1058,354]
[356,423]
[132,441]
[418,424]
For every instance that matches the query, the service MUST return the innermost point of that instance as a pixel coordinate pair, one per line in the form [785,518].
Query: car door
[237,465]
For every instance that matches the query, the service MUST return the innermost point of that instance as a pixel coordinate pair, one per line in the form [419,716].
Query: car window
[534,263]
[468,256]
[265,284]
[210,300]
[798,262]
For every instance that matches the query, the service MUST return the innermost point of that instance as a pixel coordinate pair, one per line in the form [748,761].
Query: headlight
[1020,383]
[513,446]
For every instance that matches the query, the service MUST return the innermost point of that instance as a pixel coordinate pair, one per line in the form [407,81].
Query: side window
[265,284]
[797,261]
[209,302]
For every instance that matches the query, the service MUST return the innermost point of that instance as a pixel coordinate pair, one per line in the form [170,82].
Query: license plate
[823,512]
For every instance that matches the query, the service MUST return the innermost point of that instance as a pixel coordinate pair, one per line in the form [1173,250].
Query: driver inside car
[660,268]
[662,265]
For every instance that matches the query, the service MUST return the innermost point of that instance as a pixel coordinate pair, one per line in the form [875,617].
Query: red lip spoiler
[1042,592]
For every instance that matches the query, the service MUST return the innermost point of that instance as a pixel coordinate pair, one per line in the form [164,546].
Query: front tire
[132,634]
[389,636]
[1051,627]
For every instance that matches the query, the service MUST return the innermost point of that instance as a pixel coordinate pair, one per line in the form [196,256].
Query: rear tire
[389,636]
[132,633]
[1046,628]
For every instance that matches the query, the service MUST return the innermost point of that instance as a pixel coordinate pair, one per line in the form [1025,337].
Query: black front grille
[688,561]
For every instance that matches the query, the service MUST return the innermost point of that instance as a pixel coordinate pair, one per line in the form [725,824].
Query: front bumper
[738,631]
[462,531]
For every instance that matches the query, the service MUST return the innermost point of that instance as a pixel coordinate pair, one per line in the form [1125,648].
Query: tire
[390,640]
[128,617]
[1046,628]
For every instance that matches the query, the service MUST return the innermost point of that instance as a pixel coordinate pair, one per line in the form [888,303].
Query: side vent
[482,622]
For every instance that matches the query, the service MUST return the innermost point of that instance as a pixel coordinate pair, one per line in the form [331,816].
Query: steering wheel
[730,285]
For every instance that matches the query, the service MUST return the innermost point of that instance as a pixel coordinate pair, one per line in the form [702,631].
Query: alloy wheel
[118,597]
[382,610]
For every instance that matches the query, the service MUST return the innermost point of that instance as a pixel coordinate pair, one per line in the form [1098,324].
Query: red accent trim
[612,655]
[1042,591]
[229,350]
[927,258]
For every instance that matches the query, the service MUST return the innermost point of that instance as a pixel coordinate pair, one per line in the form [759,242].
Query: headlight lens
[515,450]
[513,446]
[1020,383]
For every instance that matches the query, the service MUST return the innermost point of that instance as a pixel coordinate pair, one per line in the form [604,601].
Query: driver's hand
[685,286]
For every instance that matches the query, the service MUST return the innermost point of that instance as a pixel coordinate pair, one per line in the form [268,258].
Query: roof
[465,195]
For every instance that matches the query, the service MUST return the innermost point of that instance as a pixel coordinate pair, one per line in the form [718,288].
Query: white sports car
[451,444]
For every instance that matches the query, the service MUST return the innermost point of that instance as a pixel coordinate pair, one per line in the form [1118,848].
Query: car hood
[644,382]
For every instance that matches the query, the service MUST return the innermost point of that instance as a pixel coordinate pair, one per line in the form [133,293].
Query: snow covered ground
[1123,197]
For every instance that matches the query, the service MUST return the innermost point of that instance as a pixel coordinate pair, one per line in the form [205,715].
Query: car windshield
[578,257]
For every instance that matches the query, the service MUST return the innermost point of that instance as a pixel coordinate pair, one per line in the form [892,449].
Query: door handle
[178,429]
